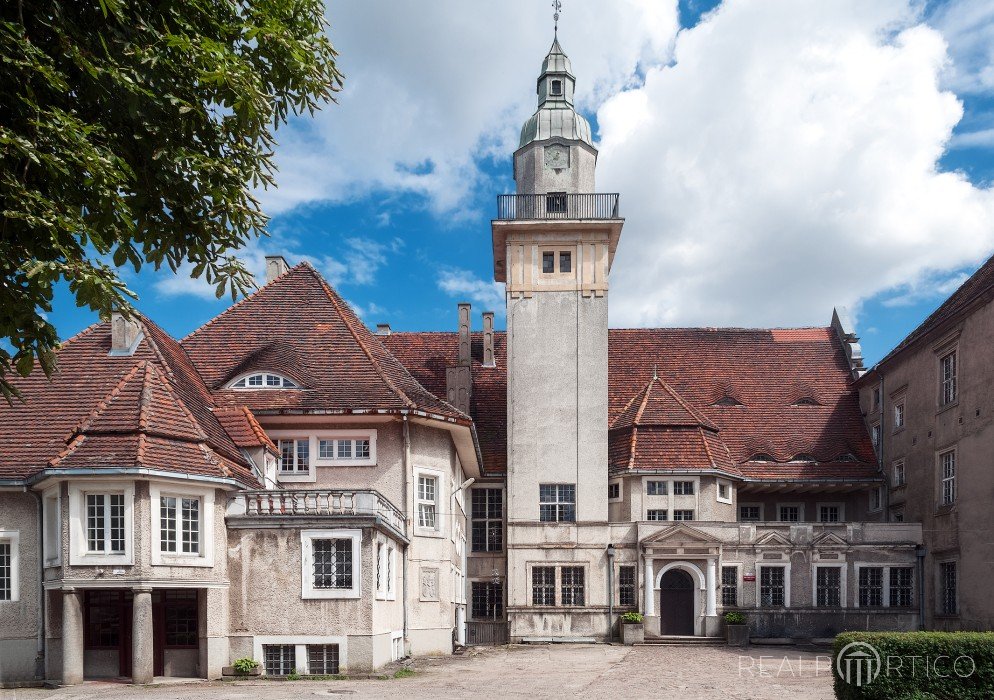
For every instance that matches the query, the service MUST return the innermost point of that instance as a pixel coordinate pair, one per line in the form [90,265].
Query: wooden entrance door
[676,603]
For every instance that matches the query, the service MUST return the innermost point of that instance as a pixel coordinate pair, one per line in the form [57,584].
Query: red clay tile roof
[979,286]
[149,410]
[427,355]
[244,429]
[658,404]
[309,333]
[766,370]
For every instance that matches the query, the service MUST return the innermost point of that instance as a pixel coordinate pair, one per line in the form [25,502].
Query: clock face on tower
[557,157]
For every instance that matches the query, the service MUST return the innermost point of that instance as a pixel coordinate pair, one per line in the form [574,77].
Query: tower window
[557,87]
[548,262]
[565,261]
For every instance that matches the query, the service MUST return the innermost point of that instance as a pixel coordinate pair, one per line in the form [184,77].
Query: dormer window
[727,401]
[806,401]
[802,458]
[761,457]
[557,87]
[263,380]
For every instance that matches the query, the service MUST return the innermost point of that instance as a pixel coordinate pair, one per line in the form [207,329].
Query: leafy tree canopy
[133,132]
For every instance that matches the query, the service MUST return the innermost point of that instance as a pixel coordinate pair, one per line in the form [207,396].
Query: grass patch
[404,673]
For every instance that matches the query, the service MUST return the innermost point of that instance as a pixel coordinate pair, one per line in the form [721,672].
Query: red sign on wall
[748,577]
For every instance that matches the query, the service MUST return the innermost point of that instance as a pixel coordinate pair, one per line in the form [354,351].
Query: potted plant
[242,667]
[736,629]
[632,628]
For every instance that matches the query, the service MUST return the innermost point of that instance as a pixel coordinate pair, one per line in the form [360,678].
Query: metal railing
[524,207]
[315,502]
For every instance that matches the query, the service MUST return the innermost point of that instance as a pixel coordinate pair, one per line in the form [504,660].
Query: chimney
[488,339]
[276,267]
[459,379]
[125,332]
[383,329]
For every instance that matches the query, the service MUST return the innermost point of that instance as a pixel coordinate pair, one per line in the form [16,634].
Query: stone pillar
[142,669]
[72,637]
[711,602]
[214,625]
[649,606]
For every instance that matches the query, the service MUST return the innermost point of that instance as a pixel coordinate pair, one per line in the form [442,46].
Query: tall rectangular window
[544,585]
[488,520]
[488,600]
[381,553]
[614,491]
[898,415]
[876,498]
[294,455]
[322,659]
[6,570]
[626,586]
[729,586]
[557,503]
[655,488]
[549,257]
[875,437]
[871,586]
[947,378]
[332,566]
[901,586]
[565,261]
[947,588]
[427,502]
[572,585]
[278,659]
[899,476]
[772,586]
[683,488]
[947,466]
[105,522]
[828,586]
[179,520]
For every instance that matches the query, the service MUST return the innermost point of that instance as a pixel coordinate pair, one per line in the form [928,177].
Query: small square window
[557,87]
[322,659]
[614,490]
[565,261]
[548,262]
[278,659]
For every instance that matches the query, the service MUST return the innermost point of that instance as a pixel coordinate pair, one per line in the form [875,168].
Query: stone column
[72,637]
[649,606]
[711,602]
[142,668]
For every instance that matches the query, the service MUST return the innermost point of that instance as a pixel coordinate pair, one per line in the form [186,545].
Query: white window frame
[621,491]
[300,644]
[13,537]
[205,557]
[800,512]
[78,553]
[760,565]
[843,576]
[391,572]
[307,589]
[718,486]
[953,381]
[439,477]
[52,512]
[664,511]
[896,482]
[738,584]
[397,646]
[900,415]
[738,515]
[885,584]
[265,374]
[308,476]
[380,580]
[943,478]
[831,504]
[339,435]
[876,437]
[666,488]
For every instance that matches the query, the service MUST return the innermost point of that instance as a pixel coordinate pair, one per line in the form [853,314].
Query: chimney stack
[488,339]
[276,267]
[383,329]
[125,332]
[459,379]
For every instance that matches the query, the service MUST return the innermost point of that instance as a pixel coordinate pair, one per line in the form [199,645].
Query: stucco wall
[19,619]
[533,176]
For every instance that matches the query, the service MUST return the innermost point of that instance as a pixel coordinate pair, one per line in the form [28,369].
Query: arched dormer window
[727,401]
[803,458]
[807,401]
[846,457]
[263,380]
[762,457]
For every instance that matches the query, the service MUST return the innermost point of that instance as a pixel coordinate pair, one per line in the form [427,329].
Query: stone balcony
[305,507]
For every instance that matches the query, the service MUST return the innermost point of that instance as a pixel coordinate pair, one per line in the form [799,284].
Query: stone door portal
[676,603]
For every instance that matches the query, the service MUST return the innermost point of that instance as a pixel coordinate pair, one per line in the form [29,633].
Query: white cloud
[465,285]
[982,138]
[968,26]
[786,163]
[432,87]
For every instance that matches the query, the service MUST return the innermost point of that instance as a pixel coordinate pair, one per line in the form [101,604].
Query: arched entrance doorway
[676,603]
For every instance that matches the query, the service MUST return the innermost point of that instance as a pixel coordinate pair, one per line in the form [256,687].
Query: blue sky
[757,192]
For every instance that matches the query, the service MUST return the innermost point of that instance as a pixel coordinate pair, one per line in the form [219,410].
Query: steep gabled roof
[658,404]
[344,367]
[243,428]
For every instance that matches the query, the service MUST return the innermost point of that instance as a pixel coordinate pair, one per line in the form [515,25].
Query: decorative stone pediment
[829,540]
[773,539]
[681,540]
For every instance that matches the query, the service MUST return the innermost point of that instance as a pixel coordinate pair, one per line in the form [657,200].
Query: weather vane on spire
[557,5]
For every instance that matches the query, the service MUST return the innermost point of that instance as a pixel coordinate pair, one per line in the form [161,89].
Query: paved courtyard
[684,672]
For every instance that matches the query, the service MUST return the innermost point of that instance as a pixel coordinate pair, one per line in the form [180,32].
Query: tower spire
[557,5]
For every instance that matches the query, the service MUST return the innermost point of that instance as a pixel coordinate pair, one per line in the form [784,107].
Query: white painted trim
[621,490]
[717,490]
[759,584]
[307,590]
[262,387]
[843,583]
[128,582]
[359,434]
[440,516]
[52,558]
[699,591]
[205,558]
[295,477]
[300,651]
[738,515]
[838,504]
[879,490]
[738,581]
[392,569]
[14,538]
[394,638]
[800,512]
[78,554]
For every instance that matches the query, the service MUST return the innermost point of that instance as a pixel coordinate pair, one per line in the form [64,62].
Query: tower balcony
[557,206]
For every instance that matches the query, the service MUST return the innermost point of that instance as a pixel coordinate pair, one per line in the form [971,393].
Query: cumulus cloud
[433,88]
[465,285]
[785,162]
[968,26]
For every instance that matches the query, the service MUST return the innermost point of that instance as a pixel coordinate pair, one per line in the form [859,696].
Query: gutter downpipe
[920,553]
[407,519]
[610,593]
[40,646]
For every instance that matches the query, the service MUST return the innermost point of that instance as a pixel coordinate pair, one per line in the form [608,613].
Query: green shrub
[920,666]
[734,618]
[632,617]
[404,673]
[245,665]
[293,675]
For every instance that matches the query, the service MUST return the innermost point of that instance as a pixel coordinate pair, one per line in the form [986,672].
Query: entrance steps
[668,640]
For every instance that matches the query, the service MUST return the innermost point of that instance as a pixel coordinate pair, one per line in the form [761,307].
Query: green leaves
[134,133]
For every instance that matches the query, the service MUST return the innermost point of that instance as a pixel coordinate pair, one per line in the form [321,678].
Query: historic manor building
[284,484]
